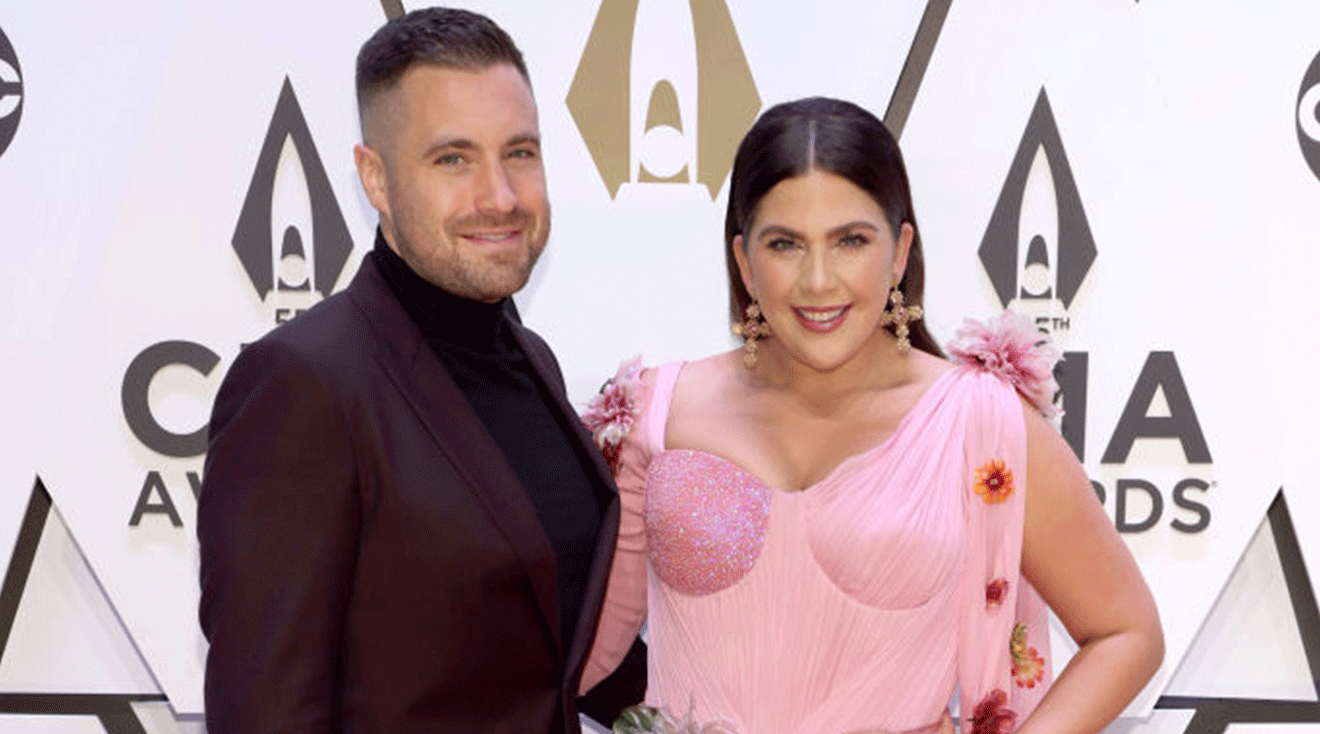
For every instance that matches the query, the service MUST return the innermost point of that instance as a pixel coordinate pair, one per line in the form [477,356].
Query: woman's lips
[821,320]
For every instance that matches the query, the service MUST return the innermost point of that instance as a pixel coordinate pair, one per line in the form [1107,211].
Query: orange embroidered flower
[1028,665]
[994,481]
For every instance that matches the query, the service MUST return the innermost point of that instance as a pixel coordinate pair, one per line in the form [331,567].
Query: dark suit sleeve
[277,523]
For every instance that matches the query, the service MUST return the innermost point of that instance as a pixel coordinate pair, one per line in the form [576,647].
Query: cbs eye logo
[11,93]
[1308,116]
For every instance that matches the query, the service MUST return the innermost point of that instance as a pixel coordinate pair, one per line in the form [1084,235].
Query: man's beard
[464,273]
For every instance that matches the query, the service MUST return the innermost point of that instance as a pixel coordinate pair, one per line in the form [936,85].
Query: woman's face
[820,259]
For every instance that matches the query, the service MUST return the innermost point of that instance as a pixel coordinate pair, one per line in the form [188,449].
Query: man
[403,525]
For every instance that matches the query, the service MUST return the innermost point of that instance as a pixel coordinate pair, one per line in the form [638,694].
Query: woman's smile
[821,320]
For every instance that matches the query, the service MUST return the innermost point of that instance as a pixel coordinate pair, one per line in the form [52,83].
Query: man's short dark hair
[445,37]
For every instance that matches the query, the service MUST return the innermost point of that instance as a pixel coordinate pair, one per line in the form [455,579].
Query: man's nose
[495,190]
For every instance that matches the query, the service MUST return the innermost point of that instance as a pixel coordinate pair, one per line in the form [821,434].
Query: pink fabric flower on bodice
[1012,347]
[610,414]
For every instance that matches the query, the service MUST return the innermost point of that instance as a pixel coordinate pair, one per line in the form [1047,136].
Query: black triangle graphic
[331,242]
[999,247]
[1214,715]
[114,711]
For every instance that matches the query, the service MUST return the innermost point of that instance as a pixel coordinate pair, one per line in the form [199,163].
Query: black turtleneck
[475,343]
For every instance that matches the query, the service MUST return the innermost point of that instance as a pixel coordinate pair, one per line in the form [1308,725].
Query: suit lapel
[594,595]
[459,434]
[538,354]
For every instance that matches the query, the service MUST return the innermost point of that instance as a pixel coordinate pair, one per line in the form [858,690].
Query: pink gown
[860,603]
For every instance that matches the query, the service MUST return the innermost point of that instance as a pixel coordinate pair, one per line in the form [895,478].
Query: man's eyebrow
[466,144]
[449,144]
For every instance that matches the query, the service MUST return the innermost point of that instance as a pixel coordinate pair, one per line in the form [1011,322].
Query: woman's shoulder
[707,373]
[635,402]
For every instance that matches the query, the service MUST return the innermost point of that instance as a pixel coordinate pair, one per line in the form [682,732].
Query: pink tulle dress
[860,603]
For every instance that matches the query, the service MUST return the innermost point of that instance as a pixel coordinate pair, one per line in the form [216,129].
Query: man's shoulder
[332,338]
[323,325]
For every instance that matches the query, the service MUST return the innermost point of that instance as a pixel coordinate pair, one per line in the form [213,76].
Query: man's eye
[450,160]
[522,153]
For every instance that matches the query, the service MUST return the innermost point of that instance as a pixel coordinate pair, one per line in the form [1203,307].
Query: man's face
[461,190]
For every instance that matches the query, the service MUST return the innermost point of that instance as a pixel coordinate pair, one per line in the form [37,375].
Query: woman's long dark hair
[831,135]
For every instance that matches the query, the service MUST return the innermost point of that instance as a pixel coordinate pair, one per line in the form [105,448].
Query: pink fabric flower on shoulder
[1010,346]
[609,415]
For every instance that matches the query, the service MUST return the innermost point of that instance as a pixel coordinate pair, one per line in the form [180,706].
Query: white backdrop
[1164,156]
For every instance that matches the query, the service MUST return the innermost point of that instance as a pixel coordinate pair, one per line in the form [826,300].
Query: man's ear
[371,171]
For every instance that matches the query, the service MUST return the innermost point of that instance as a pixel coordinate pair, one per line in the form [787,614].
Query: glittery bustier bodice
[705,521]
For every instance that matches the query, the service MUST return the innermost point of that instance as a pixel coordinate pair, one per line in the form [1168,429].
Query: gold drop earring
[898,316]
[751,329]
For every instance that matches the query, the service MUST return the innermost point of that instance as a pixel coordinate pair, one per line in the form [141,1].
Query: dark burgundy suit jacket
[369,560]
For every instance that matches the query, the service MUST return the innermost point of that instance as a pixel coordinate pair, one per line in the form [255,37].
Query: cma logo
[1038,247]
[11,93]
[1308,116]
[1037,251]
[663,93]
[288,201]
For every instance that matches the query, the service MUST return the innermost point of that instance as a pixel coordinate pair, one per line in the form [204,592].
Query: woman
[836,520]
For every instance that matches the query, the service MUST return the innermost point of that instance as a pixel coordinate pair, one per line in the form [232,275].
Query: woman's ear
[744,270]
[902,249]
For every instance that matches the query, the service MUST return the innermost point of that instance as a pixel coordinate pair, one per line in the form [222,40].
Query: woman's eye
[853,240]
[781,244]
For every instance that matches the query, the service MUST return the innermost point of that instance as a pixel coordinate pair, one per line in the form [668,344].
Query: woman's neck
[876,367]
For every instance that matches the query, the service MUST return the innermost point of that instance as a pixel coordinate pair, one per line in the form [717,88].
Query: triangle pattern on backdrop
[45,594]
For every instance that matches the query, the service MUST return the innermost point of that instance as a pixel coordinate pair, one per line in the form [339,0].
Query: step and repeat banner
[1142,178]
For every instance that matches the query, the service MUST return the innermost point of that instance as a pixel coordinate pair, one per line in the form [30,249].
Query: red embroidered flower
[994,481]
[992,715]
[613,453]
[1028,665]
[995,591]
[610,414]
